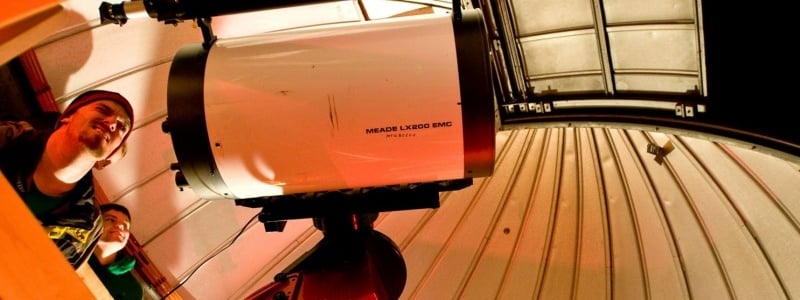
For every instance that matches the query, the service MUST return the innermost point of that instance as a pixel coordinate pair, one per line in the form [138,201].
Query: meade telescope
[380,103]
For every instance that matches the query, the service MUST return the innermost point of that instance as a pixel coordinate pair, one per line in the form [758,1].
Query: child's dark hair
[113,206]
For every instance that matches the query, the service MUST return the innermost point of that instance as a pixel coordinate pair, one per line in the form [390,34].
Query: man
[110,264]
[51,169]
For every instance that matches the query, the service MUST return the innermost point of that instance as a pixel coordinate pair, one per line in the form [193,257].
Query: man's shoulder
[22,131]
[42,120]
[21,144]
[11,130]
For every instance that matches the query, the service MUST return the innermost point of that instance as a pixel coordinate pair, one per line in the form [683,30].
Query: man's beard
[93,142]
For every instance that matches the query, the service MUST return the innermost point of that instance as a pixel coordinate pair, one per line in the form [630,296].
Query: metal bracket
[208,35]
[660,152]
[689,110]
[529,107]
[275,210]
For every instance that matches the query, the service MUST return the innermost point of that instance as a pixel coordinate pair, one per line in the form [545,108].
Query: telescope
[335,123]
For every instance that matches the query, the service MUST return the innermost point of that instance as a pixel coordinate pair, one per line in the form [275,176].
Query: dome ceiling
[581,203]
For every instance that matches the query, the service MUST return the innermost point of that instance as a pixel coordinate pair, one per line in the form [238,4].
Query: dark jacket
[76,223]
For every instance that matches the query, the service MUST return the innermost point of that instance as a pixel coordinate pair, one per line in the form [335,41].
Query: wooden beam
[23,24]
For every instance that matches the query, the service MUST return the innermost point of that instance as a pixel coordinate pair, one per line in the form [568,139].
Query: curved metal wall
[589,213]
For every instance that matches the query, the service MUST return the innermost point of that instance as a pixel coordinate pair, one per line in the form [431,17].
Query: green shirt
[117,277]
[41,204]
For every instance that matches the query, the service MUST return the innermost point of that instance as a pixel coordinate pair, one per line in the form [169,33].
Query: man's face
[100,126]
[116,228]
